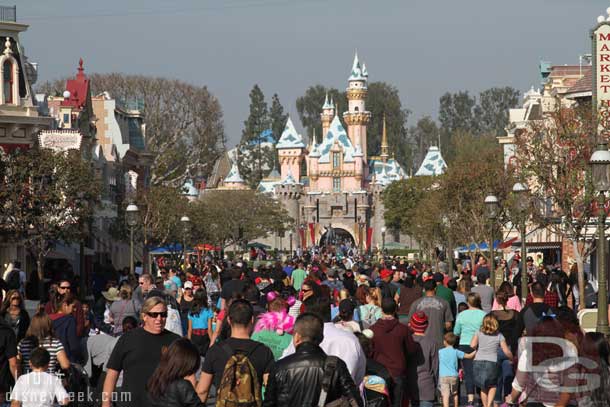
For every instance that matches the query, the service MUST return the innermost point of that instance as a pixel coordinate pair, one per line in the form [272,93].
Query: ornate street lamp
[600,167]
[383,230]
[493,205]
[131,218]
[186,222]
[520,192]
[290,236]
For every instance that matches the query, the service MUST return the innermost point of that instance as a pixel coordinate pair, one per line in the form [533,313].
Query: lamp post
[290,236]
[493,204]
[383,230]
[185,220]
[131,218]
[449,248]
[600,167]
[520,192]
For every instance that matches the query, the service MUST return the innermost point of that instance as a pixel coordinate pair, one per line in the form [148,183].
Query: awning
[531,247]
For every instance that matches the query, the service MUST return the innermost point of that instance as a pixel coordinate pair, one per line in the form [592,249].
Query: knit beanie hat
[419,322]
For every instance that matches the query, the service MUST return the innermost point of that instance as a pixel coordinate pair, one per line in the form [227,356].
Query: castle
[332,187]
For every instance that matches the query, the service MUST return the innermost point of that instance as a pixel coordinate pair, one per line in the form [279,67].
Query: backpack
[367,319]
[239,386]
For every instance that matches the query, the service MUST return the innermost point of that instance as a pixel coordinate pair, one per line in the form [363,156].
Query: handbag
[330,365]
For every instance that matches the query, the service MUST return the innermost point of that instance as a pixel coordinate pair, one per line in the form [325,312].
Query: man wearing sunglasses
[137,353]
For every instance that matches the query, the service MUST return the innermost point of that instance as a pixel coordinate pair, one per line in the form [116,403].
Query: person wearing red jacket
[391,343]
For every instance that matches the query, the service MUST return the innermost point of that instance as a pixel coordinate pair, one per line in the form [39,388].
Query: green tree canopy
[225,217]
[309,107]
[46,197]
[255,158]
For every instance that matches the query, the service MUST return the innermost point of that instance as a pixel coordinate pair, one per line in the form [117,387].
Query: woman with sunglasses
[14,314]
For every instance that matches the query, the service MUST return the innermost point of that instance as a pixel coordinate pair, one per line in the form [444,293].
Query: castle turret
[290,148]
[328,112]
[357,117]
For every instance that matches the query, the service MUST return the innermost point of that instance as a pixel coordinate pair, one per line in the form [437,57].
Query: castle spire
[384,143]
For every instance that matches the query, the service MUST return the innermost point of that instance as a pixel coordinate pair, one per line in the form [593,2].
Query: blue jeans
[468,371]
[505,377]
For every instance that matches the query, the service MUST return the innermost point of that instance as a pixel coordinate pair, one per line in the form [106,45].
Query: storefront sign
[60,140]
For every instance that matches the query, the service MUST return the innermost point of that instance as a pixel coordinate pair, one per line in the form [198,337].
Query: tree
[455,115]
[384,98]
[491,113]
[47,197]
[552,155]
[228,217]
[400,200]
[255,158]
[476,171]
[161,208]
[184,122]
[277,117]
[423,135]
[309,107]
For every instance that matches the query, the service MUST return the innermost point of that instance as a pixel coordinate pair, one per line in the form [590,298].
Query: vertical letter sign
[601,74]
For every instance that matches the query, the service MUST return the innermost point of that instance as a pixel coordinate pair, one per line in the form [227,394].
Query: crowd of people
[315,329]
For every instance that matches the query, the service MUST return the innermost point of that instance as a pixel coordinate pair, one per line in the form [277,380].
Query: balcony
[8,13]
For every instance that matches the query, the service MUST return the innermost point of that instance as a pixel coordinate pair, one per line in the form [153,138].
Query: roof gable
[290,138]
[336,133]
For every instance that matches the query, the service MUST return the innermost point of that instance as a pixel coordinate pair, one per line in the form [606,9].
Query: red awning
[507,243]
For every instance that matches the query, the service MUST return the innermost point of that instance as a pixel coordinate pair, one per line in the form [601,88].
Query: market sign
[60,140]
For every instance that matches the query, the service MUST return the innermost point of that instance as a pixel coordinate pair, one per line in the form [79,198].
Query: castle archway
[336,236]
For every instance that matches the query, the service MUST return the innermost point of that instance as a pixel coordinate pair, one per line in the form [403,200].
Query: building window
[66,118]
[336,184]
[7,81]
[336,160]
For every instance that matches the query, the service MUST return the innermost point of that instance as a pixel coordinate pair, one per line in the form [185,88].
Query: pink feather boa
[279,322]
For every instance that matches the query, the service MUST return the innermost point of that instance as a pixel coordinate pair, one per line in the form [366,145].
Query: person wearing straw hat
[422,362]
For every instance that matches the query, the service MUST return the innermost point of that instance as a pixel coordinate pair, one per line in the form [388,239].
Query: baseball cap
[385,273]
[438,277]
[188,284]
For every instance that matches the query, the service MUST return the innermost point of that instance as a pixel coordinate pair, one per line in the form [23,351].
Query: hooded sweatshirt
[65,330]
[391,343]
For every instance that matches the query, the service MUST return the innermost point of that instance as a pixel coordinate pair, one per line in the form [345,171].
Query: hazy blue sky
[424,47]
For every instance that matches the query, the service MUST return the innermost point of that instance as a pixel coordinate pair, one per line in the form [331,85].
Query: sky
[423,47]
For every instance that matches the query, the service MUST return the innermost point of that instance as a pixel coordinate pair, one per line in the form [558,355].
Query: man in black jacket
[296,380]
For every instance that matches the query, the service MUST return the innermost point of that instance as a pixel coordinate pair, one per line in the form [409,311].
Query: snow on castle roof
[290,138]
[433,163]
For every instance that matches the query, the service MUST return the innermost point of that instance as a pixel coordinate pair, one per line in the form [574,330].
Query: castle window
[336,184]
[336,160]
[7,81]
[356,108]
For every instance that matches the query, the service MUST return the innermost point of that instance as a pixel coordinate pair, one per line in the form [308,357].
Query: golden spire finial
[384,142]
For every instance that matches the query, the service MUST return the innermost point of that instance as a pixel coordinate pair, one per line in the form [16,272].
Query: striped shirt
[52,345]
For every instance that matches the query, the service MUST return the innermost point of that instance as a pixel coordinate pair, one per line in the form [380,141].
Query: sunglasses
[306,291]
[155,315]
[164,272]
[65,288]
